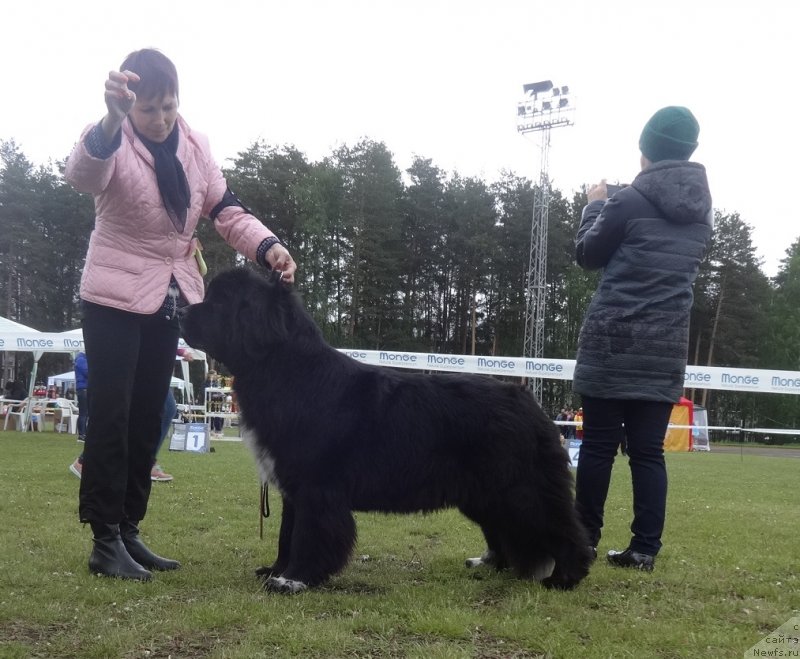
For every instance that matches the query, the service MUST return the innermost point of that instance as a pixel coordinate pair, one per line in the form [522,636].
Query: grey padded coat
[650,238]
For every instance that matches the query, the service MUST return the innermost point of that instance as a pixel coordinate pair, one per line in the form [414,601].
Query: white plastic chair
[68,416]
[36,419]
[17,411]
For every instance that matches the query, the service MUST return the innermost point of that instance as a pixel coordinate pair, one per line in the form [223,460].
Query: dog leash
[263,509]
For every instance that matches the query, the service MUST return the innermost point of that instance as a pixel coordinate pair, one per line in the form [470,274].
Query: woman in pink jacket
[152,178]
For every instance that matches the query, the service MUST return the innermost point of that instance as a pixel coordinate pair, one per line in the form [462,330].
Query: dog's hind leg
[284,544]
[323,537]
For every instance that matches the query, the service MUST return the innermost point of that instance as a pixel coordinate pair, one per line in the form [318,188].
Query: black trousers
[642,425]
[131,358]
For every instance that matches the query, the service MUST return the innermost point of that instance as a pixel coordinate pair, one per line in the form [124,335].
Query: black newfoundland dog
[335,436]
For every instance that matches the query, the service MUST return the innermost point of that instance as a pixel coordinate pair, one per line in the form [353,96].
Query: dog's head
[243,316]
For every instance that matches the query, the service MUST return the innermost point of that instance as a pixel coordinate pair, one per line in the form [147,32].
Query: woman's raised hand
[120,99]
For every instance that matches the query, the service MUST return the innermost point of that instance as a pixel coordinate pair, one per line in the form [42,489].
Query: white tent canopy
[184,384]
[16,337]
[68,378]
[7,325]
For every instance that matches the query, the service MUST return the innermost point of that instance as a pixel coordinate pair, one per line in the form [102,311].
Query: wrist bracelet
[263,248]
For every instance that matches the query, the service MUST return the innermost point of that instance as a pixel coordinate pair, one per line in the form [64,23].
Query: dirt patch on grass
[34,638]
[481,645]
[190,645]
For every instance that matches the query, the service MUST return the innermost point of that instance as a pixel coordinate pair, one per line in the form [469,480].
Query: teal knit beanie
[671,134]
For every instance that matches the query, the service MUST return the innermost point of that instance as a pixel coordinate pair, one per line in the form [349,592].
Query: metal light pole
[543,108]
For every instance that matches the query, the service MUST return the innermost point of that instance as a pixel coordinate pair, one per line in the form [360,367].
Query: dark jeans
[642,425]
[83,412]
[131,358]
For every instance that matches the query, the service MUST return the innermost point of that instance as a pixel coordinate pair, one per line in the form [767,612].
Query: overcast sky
[439,79]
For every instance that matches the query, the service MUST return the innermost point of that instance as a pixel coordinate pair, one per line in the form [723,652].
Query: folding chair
[16,413]
[66,419]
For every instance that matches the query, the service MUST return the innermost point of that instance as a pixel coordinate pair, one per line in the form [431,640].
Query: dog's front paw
[544,570]
[559,582]
[489,558]
[282,585]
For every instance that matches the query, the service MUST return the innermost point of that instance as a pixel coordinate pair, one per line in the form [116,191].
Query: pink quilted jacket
[134,248]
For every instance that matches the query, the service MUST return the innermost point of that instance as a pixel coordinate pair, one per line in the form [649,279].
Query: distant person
[167,417]
[81,368]
[15,390]
[157,474]
[152,178]
[561,416]
[649,239]
[214,403]
[578,418]
[569,429]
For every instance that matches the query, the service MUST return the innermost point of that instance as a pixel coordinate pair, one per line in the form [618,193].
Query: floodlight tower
[543,108]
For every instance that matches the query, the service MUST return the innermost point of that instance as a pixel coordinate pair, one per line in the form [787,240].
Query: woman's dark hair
[157,72]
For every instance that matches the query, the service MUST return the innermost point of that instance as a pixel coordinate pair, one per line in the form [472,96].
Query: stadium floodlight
[535,88]
[539,112]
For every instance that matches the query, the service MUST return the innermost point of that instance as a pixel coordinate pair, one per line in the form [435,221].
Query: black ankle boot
[109,556]
[633,559]
[140,552]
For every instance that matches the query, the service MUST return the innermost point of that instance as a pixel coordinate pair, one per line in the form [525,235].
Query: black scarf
[172,183]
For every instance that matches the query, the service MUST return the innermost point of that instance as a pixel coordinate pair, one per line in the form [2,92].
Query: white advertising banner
[40,342]
[71,341]
[697,377]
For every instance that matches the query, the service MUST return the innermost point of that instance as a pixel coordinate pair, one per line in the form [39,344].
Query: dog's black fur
[335,435]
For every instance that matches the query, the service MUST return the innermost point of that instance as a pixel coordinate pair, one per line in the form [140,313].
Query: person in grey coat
[649,238]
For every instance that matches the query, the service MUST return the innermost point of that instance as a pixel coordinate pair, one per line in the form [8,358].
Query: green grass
[726,577]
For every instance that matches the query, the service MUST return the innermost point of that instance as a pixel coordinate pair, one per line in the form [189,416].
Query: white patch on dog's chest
[265,462]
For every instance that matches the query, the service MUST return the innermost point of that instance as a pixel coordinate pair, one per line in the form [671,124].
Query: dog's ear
[278,309]
[263,314]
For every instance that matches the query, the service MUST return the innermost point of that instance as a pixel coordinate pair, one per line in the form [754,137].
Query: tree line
[417,260]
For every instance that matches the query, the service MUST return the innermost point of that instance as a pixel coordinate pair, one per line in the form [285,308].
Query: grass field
[727,576]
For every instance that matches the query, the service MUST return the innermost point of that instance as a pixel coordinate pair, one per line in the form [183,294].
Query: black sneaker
[593,553]
[630,558]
